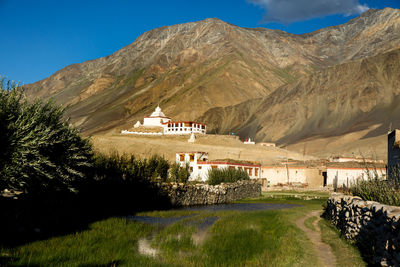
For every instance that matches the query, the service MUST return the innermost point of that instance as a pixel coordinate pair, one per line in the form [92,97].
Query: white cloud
[287,11]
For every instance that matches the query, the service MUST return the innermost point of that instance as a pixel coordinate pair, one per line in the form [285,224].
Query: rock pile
[374,227]
[203,194]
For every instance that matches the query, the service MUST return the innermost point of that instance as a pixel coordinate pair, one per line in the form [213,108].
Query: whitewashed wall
[345,177]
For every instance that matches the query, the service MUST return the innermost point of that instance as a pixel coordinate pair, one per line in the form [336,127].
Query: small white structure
[192,138]
[165,126]
[344,175]
[199,165]
[249,142]
[267,144]
[157,118]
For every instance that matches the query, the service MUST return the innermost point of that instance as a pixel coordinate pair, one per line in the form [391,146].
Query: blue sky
[40,37]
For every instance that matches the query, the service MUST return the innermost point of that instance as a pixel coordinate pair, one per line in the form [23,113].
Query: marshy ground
[273,230]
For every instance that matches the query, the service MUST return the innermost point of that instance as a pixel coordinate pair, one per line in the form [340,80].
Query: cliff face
[264,83]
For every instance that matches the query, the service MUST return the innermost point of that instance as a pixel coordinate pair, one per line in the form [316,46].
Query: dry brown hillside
[259,82]
[344,108]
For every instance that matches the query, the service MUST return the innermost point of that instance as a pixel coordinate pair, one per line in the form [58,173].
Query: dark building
[393,151]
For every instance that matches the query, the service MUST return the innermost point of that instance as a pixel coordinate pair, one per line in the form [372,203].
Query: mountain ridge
[195,68]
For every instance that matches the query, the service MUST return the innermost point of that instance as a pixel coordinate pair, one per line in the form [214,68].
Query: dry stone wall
[374,227]
[203,194]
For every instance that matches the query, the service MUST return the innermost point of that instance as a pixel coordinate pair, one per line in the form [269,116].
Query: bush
[226,175]
[40,152]
[126,167]
[179,174]
[374,188]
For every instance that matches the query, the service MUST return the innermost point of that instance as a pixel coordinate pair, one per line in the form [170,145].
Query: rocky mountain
[360,98]
[258,82]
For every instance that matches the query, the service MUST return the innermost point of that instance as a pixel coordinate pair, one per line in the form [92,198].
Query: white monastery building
[157,118]
[159,124]
[199,165]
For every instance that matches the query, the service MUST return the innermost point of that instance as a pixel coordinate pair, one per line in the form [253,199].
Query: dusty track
[324,252]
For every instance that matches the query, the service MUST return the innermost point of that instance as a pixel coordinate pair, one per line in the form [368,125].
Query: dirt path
[324,251]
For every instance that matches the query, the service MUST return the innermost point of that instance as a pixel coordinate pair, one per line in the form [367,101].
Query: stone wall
[374,227]
[203,194]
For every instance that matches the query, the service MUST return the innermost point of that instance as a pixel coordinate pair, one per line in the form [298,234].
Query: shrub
[174,172]
[179,174]
[374,188]
[127,167]
[40,152]
[184,174]
[226,175]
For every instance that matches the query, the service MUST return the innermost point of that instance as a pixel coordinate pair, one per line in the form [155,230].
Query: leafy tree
[179,174]
[174,172]
[184,174]
[40,151]
[226,175]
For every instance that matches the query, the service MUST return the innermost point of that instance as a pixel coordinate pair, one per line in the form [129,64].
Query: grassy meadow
[235,238]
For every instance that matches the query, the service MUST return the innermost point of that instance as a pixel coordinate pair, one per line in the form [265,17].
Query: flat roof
[169,122]
[227,163]
[355,165]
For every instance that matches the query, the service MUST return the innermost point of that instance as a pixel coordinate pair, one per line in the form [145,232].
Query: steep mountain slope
[194,67]
[188,68]
[361,96]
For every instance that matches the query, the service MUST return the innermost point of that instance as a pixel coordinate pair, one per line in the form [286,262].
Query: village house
[344,174]
[354,159]
[393,151]
[294,174]
[159,124]
[199,165]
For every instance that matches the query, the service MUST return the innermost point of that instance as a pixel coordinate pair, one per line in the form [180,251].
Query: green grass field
[237,238]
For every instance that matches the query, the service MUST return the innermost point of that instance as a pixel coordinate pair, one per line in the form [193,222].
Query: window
[191,156]
[250,172]
[181,157]
[190,169]
[214,166]
[255,172]
[199,167]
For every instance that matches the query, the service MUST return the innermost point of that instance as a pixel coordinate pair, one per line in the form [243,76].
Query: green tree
[174,172]
[40,151]
[184,174]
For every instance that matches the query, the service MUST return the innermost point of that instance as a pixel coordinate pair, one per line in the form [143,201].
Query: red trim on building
[349,168]
[284,167]
[227,163]
[170,122]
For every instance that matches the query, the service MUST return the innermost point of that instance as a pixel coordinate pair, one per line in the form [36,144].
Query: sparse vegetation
[374,188]
[226,175]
